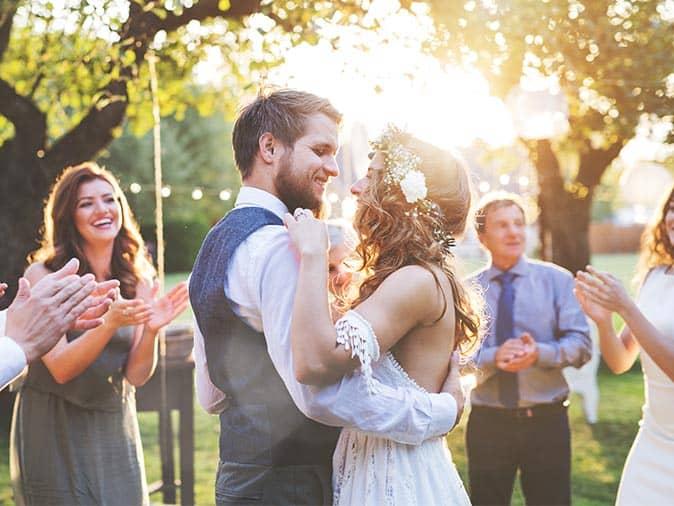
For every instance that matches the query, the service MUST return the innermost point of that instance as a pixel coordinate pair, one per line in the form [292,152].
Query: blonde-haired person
[410,315]
[649,328]
[75,437]
[518,422]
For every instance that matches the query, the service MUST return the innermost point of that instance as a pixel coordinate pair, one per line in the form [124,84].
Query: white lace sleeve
[356,334]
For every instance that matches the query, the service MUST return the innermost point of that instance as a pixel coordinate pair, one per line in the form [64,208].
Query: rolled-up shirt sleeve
[405,415]
[210,397]
[12,358]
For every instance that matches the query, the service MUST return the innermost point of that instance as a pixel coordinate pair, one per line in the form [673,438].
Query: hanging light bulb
[166,191]
[197,194]
[135,188]
[225,195]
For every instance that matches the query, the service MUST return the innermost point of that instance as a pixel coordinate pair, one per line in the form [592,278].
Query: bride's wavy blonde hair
[393,236]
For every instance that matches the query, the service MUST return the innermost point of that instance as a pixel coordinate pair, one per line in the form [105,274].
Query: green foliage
[196,153]
[62,55]
[612,58]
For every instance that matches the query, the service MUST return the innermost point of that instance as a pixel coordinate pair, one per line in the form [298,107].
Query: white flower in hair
[413,186]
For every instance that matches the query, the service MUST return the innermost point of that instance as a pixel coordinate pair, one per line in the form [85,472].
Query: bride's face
[376,164]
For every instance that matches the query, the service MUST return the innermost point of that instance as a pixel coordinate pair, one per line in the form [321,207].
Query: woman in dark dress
[75,437]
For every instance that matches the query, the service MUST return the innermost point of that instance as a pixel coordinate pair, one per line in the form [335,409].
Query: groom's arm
[406,415]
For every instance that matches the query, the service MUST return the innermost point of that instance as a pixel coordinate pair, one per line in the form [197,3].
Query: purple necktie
[505,329]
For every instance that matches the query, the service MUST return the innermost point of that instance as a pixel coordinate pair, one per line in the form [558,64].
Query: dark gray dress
[78,443]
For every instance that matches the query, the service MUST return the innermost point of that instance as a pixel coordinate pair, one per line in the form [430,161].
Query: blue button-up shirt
[546,308]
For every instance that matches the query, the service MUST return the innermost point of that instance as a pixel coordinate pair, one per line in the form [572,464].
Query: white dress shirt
[12,358]
[260,286]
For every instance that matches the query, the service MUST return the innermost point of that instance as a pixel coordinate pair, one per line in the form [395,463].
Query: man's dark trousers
[499,442]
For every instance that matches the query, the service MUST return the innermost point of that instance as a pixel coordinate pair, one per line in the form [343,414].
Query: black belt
[537,410]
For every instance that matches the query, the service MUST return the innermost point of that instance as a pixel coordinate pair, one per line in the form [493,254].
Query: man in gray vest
[273,450]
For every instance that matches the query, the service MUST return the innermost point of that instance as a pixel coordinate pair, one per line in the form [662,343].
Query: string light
[135,188]
[166,191]
[225,195]
[197,194]
[484,186]
[504,179]
[523,181]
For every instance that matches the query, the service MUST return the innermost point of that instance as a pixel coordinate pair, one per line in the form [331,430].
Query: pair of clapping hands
[600,294]
[147,308]
[63,300]
[517,353]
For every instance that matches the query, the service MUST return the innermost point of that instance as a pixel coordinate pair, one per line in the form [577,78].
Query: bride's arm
[406,298]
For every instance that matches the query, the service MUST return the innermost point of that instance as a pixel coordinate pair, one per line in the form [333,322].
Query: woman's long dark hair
[61,241]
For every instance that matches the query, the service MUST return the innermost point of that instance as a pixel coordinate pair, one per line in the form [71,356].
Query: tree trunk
[24,186]
[566,210]
[564,216]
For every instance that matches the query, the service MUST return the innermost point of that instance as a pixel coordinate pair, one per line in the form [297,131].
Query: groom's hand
[452,386]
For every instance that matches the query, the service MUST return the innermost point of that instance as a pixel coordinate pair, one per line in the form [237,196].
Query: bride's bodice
[387,370]
[655,301]
[372,470]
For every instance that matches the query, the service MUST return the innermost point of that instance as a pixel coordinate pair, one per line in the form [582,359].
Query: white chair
[583,381]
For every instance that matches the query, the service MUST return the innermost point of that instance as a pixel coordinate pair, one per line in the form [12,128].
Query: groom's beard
[296,189]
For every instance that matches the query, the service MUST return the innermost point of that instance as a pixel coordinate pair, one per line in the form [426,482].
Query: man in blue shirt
[536,327]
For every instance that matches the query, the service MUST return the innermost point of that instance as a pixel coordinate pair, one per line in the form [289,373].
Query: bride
[410,314]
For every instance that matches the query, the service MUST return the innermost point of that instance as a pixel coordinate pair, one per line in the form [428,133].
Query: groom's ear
[267,144]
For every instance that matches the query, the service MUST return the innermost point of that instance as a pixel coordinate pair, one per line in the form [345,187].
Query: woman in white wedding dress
[649,328]
[410,314]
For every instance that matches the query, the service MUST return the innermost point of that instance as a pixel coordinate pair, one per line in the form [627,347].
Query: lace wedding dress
[370,470]
[647,477]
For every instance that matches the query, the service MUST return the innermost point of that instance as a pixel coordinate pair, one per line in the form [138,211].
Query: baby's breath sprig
[402,170]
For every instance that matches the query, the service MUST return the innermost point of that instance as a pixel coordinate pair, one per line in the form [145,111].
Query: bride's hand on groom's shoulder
[308,235]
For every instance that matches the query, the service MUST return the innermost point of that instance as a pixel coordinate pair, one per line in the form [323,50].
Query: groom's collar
[250,196]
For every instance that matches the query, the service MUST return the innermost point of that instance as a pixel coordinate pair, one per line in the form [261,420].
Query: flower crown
[402,170]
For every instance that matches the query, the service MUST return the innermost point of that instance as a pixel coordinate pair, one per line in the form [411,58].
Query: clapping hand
[126,312]
[165,309]
[517,354]
[103,296]
[600,293]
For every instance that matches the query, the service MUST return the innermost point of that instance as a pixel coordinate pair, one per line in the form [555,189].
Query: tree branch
[594,162]
[29,122]
[6,20]
[94,132]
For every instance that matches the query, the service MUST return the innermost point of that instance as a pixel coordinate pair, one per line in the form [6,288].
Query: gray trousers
[266,485]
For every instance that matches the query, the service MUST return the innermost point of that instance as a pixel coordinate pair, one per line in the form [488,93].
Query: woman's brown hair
[392,235]
[61,241]
[656,248]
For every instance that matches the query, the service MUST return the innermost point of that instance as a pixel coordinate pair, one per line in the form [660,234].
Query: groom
[272,450]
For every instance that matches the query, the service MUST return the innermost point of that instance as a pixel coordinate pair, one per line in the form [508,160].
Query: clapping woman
[649,329]
[75,437]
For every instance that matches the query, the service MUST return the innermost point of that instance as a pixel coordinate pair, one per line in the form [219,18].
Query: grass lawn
[599,451]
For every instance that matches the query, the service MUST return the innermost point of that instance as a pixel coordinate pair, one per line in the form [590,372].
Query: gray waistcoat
[262,426]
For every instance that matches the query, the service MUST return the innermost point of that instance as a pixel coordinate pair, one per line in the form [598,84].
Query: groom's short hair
[283,113]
